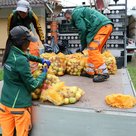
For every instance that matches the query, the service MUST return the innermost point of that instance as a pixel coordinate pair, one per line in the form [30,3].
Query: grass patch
[1,74]
[132,70]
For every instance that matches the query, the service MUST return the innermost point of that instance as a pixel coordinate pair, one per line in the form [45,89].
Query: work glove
[46,61]
[44,70]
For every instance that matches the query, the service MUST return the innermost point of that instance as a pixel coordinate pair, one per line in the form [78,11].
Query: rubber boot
[86,75]
[101,77]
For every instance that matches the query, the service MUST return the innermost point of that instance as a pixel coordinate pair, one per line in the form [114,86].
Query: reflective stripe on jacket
[18,80]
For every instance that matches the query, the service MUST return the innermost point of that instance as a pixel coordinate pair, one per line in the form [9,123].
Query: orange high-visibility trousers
[95,60]
[15,118]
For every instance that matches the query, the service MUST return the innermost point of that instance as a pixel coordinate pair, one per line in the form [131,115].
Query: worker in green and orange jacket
[18,83]
[24,16]
[94,29]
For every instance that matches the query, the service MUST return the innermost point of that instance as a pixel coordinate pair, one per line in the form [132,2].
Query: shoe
[86,75]
[101,77]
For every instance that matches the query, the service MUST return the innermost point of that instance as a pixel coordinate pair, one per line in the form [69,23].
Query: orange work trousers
[15,118]
[95,60]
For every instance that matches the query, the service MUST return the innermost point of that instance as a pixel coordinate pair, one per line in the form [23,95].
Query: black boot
[101,77]
[86,75]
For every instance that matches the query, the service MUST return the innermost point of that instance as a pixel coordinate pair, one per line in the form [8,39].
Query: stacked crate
[118,17]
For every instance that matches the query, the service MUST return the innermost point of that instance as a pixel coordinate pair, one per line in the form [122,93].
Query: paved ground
[95,92]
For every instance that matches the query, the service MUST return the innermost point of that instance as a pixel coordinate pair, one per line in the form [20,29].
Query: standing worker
[94,30]
[16,99]
[23,15]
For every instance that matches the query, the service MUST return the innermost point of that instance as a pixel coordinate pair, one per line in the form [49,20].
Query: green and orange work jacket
[18,80]
[14,19]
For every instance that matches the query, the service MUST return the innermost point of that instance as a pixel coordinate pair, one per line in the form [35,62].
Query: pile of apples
[75,64]
[71,94]
[74,67]
[110,62]
[47,55]
[36,73]
[58,65]
[50,81]
[52,89]
[59,94]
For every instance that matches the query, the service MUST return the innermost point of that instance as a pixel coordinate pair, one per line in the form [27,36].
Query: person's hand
[47,62]
[44,70]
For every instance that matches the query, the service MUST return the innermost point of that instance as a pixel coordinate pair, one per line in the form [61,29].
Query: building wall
[3,32]
[3,26]
[4,13]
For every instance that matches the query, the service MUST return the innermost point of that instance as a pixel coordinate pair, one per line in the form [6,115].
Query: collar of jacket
[19,17]
[73,12]
[18,50]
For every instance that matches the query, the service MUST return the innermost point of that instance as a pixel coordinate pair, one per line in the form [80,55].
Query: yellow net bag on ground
[58,65]
[60,94]
[120,100]
[75,64]
[52,95]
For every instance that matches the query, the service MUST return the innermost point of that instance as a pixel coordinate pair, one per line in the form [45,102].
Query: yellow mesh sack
[75,64]
[120,100]
[54,97]
[47,55]
[110,62]
[52,94]
[58,65]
